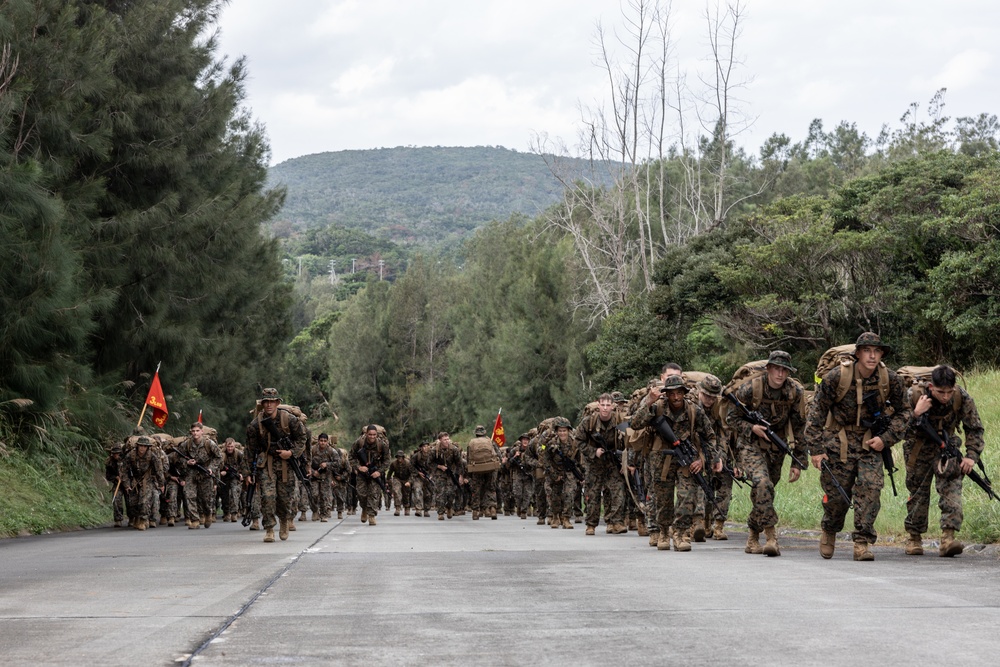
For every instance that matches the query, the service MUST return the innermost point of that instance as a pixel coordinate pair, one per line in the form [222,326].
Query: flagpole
[144,404]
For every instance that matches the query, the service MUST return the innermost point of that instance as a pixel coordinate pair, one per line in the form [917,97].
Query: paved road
[418,591]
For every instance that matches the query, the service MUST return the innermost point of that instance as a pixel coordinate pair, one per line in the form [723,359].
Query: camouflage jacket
[553,453]
[329,456]
[593,434]
[376,453]
[258,442]
[401,470]
[846,415]
[141,470]
[944,419]
[700,433]
[206,453]
[779,407]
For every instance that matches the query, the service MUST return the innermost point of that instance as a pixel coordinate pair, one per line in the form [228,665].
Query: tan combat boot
[303,517]
[622,529]
[541,521]
[323,519]
[827,543]
[609,527]
[340,514]
[364,516]
[426,513]
[475,515]
[226,518]
[269,535]
[206,521]
[719,531]
[493,514]
[170,522]
[771,545]
[654,538]
[440,517]
[590,530]
[371,521]
[914,545]
[753,543]
[163,520]
[194,525]
[283,529]
[640,528]
[663,541]
[397,512]
[317,516]
[451,512]
[291,524]
[141,524]
[862,551]
[566,523]
[255,525]
[406,512]
[682,540]
[698,529]
[949,545]
[633,525]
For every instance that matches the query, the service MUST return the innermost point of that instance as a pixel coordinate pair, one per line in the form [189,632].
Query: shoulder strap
[757,385]
[883,383]
[846,375]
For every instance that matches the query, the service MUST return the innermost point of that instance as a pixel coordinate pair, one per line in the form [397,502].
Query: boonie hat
[781,358]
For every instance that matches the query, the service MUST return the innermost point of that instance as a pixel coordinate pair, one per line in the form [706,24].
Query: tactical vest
[848,372]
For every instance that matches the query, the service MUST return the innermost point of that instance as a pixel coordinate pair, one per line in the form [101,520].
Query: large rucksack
[482,455]
[756,373]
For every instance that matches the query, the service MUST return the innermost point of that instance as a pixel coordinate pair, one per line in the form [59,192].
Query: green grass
[799,505]
[41,495]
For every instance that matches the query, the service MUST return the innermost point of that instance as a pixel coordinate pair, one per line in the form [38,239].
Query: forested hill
[409,195]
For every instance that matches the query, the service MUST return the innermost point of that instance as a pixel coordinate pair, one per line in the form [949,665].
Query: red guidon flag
[498,437]
[155,400]
[199,417]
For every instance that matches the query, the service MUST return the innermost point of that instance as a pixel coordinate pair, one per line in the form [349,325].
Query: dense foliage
[133,193]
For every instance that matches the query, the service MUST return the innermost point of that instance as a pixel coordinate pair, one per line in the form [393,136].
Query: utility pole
[352,264]
[333,272]
[381,264]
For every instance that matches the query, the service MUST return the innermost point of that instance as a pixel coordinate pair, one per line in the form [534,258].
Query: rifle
[756,418]
[426,476]
[949,451]
[824,465]
[567,464]
[740,479]
[685,454]
[879,424]
[363,459]
[250,490]
[231,474]
[197,466]
[284,442]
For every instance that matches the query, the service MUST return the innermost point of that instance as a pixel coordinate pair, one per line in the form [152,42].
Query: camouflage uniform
[533,462]
[444,487]
[369,489]
[232,463]
[274,475]
[762,460]
[482,485]
[143,475]
[560,484]
[173,492]
[522,478]
[322,468]
[505,482]
[401,475]
[199,488]
[604,482]
[922,455]
[668,477]
[114,477]
[422,485]
[858,468]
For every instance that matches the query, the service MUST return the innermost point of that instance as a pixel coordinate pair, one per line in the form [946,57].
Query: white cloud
[963,70]
[363,77]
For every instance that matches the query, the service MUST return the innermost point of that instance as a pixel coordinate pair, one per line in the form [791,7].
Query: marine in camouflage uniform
[113,475]
[945,407]
[600,442]
[421,481]
[322,468]
[688,422]
[231,480]
[533,461]
[837,434]
[505,482]
[274,475]
[143,475]
[482,484]
[522,477]
[374,448]
[558,450]
[779,401]
[400,475]
[710,520]
[447,462]
[199,487]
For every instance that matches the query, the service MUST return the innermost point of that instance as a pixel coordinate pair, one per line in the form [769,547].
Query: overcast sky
[337,75]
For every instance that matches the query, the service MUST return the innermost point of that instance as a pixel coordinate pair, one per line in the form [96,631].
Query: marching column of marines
[663,463]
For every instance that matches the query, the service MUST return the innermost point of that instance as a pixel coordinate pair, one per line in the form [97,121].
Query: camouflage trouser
[523,488]
[199,491]
[560,495]
[862,476]
[340,494]
[276,496]
[143,499]
[483,488]
[668,477]
[505,495]
[918,483]
[541,497]
[369,495]
[402,495]
[302,498]
[118,504]
[723,485]
[231,496]
[322,491]
[605,485]
[420,493]
[444,492]
[647,479]
[763,467]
